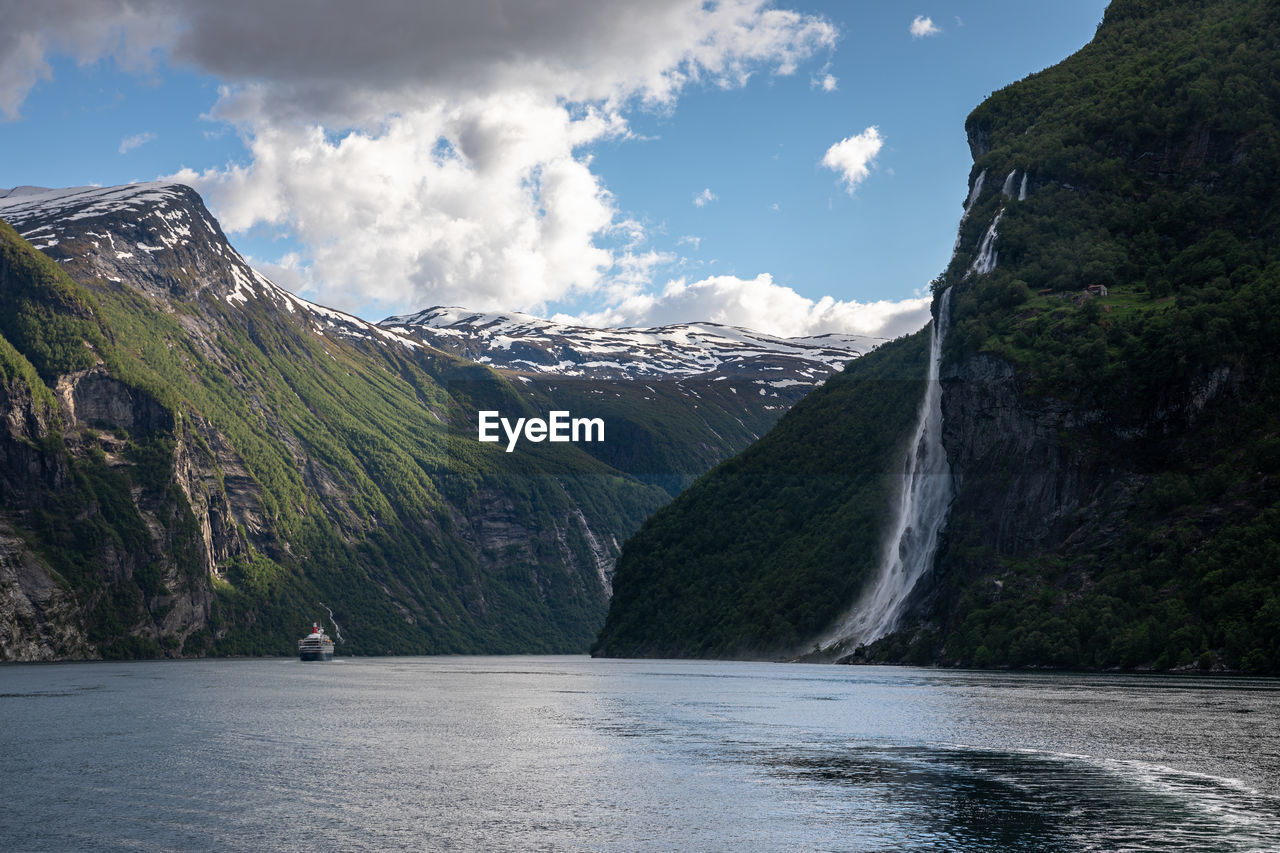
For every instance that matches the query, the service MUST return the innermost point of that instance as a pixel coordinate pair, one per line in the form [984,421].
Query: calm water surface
[568,753]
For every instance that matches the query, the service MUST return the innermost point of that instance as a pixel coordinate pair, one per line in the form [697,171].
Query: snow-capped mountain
[523,343]
[151,234]
[292,444]
[158,236]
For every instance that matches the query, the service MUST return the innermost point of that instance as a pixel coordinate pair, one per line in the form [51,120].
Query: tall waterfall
[921,513]
[927,487]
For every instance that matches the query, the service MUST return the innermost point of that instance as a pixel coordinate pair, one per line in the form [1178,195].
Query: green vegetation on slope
[768,549]
[50,320]
[1152,163]
[1154,158]
[331,470]
[658,429]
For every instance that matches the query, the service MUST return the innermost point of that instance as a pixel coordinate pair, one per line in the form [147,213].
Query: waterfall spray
[336,630]
[986,260]
[968,205]
[1009,182]
[927,486]
[921,513]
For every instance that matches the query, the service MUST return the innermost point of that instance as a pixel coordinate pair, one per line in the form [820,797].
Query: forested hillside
[1111,404]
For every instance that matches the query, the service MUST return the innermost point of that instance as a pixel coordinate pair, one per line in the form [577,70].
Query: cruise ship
[315,646]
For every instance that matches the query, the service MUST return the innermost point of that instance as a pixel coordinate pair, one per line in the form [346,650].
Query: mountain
[678,398]
[198,462]
[535,346]
[1109,403]
[195,461]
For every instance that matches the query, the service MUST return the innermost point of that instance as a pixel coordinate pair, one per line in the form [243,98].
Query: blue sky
[559,173]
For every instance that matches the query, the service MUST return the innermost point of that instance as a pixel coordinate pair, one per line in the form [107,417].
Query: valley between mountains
[195,461]
[1075,466]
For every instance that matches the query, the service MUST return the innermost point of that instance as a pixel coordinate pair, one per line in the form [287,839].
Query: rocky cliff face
[63,466]
[1042,468]
[1013,457]
[39,618]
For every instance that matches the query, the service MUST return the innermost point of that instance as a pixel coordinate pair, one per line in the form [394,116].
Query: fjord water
[569,753]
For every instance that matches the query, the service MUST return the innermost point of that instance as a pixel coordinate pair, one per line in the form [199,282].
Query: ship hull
[313,656]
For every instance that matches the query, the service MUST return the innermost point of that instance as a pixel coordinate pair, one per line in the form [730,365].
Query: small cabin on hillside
[1097,289]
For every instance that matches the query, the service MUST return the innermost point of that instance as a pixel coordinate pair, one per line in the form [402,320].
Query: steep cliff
[1110,402]
[1110,397]
[197,462]
[94,545]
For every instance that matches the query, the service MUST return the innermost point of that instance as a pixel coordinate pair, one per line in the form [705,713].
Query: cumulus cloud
[762,304]
[851,158]
[480,203]
[704,198]
[131,142]
[922,26]
[133,34]
[438,152]
[426,152]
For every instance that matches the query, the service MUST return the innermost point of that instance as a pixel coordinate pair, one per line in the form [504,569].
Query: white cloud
[827,83]
[853,157]
[704,198]
[434,152]
[690,240]
[438,152]
[133,34]
[131,142]
[500,215]
[922,26]
[762,304]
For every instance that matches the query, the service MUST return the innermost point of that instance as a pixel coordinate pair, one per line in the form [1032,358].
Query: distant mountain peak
[158,234]
[160,237]
[155,235]
[524,343]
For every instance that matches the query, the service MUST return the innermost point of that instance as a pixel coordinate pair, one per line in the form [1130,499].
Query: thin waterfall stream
[921,513]
[927,486]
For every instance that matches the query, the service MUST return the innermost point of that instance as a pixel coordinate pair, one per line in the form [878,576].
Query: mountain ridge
[678,350]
